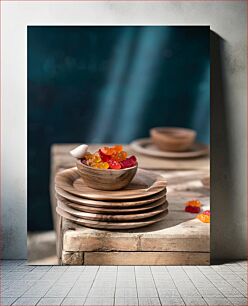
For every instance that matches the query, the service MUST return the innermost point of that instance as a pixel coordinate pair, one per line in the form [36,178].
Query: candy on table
[193,206]
[192,209]
[204,216]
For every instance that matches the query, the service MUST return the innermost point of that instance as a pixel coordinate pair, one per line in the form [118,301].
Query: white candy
[79,151]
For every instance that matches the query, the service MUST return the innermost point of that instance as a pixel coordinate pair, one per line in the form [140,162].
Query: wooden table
[180,239]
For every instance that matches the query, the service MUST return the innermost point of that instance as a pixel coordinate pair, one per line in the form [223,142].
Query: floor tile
[145,282]
[102,292]
[74,301]
[50,301]
[147,292]
[238,301]
[26,301]
[167,301]
[79,291]
[194,301]
[93,285]
[164,292]
[126,292]
[99,301]
[217,301]
[121,301]
[7,300]
[149,301]
[210,292]
[58,291]
[126,283]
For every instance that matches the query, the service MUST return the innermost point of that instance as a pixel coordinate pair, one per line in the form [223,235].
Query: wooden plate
[109,204]
[114,210]
[112,218]
[112,225]
[144,184]
[146,147]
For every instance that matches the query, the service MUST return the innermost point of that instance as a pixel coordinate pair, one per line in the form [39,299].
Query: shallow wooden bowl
[106,179]
[173,139]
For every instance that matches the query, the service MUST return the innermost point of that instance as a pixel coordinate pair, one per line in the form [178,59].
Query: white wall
[229,141]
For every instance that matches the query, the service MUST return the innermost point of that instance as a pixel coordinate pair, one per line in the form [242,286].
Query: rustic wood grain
[72,258]
[146,147]
[178,233]
[114,217]
[110,204]
[146,258]
[144,184]
[61,159]
[105,179]
[114,225]
[172,138]
[113,210]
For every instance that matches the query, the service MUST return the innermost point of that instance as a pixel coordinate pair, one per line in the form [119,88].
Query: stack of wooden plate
[141,203]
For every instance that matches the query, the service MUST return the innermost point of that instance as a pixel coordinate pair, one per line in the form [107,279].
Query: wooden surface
[145,258]
[179,239]
[179,231]
[113,210]
[61,159]
[113,217]
[146,147]
[110,204]
[144,184]
[172,138]
[122,225]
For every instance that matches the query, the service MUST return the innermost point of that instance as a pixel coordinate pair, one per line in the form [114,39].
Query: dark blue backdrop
[109,84]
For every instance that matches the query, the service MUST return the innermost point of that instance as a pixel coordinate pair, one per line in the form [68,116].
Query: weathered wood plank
[72,258]
[146,258]
[167,235]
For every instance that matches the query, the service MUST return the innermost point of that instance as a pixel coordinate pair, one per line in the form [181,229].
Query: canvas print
[118,145]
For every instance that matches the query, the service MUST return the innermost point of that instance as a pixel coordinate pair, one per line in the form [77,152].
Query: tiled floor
[122,285]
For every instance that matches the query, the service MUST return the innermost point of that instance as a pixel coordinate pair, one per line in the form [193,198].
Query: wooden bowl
[106,179]
[173,139]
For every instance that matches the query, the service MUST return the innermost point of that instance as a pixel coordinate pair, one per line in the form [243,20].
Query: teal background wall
[109,84]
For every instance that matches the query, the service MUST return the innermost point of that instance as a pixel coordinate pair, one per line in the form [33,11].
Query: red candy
[193,206]
[110,157]
[104,156]
[192,209]
[114,164]
[129,162]
[206,212]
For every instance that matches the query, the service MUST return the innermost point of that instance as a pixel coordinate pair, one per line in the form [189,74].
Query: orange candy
[109,157]
[120,156]
[204,217]
[112,150]
[118,148]
[101,165]
[193,203]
